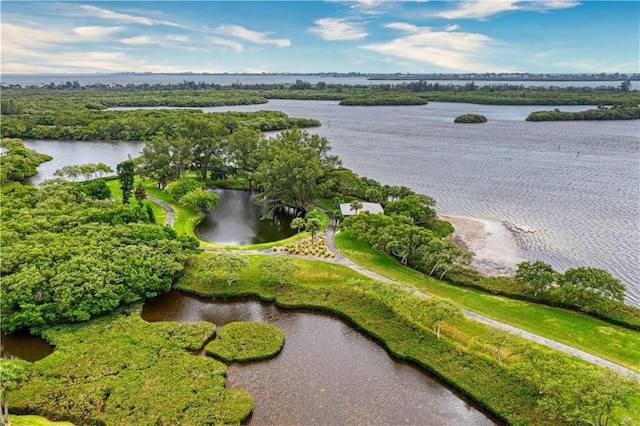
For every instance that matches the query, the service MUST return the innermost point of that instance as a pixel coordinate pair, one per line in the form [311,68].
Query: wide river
[575,183]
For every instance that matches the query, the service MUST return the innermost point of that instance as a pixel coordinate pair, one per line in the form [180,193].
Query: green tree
[502,344]
[222,267]
[200,199]
[244,149]
[207,139]
[11,376]
[440,256]
[418,208]
[625,86]
[292,169]
[313,224]
[277,270]
[140,193]
[298,223]
[126,173]
[586,287]
[164,159]
[181,187]
[355,205]
[538,275]
[439,312]
[344,181]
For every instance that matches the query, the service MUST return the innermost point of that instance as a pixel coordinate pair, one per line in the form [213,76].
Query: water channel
[328,373]
[238,221]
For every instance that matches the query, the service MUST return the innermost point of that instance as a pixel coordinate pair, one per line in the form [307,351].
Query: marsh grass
[246,341]
[119,369]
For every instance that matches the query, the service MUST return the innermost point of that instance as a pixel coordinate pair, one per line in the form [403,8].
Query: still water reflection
[237,220]
[327,373]
[23,346]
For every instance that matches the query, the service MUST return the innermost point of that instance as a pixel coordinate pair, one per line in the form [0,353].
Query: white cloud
[402,26]
[180,38]
[335,29]
[252,36]
[98,12]
[480,9]
[139,40]
[452,27]
[95,32]
[446,49]
[551,4]
[233,45]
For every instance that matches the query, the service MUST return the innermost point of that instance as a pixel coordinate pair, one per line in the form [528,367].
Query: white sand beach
[496,251]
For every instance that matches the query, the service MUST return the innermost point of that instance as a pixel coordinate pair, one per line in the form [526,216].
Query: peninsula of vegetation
[80,256]
[601,113]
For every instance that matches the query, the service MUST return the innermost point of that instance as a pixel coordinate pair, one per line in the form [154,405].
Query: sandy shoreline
[496,251]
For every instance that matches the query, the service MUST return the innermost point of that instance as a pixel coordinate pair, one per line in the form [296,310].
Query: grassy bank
[460,358]
[617,344]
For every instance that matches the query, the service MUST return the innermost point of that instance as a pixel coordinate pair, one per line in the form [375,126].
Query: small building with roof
[373,208]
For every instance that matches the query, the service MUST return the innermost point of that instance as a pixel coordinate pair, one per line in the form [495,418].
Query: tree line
[17,162]
[137,125]
[601,113]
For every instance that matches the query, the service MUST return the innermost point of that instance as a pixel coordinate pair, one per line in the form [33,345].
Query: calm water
[327,373]
[65,153]
[23,346]
[237,221]
[576,183]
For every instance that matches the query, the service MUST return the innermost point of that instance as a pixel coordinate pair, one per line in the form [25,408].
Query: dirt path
[342,260]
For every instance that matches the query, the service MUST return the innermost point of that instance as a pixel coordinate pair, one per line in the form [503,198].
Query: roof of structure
[345,208]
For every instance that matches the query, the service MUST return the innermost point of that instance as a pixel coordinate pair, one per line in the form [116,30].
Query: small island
[600,113]
[470,118]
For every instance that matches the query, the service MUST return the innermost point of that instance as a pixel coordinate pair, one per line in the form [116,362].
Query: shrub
[470,118]
[246,341]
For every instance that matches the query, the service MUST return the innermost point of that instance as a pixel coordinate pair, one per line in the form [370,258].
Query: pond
[23,346]
[328,373]
[238,221]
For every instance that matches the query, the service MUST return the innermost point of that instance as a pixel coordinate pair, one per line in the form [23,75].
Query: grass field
[614,343]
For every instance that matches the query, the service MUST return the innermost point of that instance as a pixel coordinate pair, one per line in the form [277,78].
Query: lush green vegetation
[591,335]
[615,113]
[384,100]
[246,341]
[18,162]
[516,380]
[68,257]
[136,125]
[119,369]
[470,118]
[34,100]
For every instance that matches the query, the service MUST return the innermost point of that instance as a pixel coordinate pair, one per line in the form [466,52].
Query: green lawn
[614,343]
[34,421]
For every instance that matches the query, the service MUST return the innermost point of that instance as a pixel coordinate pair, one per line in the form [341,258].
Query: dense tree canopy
[68,257]
[292,168]
[18,162]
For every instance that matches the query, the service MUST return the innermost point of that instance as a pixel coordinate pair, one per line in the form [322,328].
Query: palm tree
[298,223]
[356,205]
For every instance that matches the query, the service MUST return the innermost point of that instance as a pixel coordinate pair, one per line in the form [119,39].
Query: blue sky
[321,36]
